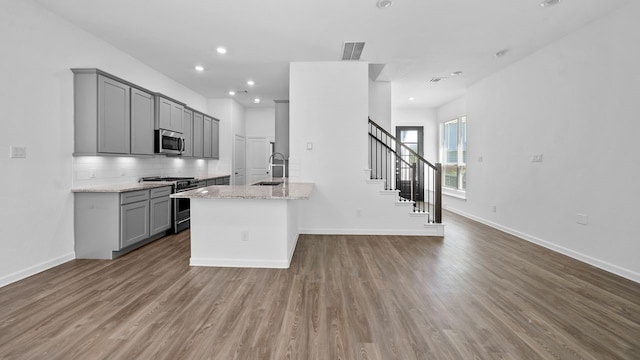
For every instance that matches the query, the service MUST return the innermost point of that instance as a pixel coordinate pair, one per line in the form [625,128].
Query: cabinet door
[160,214]
[215,139]
[134,223]
[113,116]
[187,127]
[164,113]
[207,137]
[177,114]
[142,118]
[198,138]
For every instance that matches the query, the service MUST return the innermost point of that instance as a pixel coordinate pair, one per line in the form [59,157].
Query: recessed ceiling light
[250,83]
[199,68]
[232,92]
[456,73]
[221,50]
[256,101]
[501,53]
[411,98]
[383,4]
[549,3]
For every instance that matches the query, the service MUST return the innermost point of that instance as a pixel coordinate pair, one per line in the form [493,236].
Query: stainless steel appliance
[181,214]
[168,142]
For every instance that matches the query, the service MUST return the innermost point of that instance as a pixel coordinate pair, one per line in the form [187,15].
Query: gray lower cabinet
[223,180]
[159,210]
[109,224]
[134,223]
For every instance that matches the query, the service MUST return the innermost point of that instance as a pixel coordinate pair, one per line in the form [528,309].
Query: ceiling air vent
[352,50]
[436,79]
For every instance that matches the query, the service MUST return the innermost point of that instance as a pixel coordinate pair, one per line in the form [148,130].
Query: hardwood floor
[477,294]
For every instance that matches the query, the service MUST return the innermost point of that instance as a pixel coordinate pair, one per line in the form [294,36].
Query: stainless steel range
[181,214]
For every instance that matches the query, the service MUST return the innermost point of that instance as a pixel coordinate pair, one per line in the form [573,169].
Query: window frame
[461,162]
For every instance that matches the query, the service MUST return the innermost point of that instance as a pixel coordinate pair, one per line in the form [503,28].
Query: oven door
[181,214]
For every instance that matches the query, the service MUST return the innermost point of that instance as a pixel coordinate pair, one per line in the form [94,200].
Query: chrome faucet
[271,164]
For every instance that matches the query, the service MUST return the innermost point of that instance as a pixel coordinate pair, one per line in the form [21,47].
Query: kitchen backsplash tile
[103,170]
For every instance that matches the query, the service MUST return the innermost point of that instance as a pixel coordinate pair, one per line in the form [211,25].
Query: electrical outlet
[92,173]
[244,236]
[494,208]
[536,158]
[358,212]
[17,152]
[582,219]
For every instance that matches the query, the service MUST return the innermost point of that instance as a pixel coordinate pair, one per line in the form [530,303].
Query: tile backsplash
[106,170]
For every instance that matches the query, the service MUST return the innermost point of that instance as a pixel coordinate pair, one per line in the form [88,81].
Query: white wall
[380,103]
[232,122]
[575,102]
[329,108]
[261,122]
[425,117]
[36,91]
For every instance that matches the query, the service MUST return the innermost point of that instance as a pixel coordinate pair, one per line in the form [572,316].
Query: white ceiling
[416,39]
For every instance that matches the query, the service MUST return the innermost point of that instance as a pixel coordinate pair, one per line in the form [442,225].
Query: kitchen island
[245,225]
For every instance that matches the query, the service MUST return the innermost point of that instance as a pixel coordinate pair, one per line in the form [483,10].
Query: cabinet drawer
[158,192]
[133,196]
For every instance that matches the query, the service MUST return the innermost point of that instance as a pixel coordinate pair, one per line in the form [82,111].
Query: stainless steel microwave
[168,142]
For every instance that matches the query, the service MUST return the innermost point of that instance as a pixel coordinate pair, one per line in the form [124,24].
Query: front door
[412,137]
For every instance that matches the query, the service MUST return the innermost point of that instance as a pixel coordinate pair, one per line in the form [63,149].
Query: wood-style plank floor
[477,294]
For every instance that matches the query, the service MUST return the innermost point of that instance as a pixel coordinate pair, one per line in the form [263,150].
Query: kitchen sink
[268,183]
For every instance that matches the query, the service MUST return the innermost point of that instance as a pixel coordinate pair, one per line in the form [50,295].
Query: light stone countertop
[118,188]
[285,191]
[211,176]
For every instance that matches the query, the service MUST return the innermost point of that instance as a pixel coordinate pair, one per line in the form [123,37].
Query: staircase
[405,178]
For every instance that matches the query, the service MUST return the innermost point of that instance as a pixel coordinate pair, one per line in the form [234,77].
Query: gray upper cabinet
[169,114]
[198,137]
[187,126]
[113,116]
[207,137]
[215,139]
[101,114]
[142,122]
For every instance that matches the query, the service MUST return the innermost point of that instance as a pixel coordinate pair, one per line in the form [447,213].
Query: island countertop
[284,191]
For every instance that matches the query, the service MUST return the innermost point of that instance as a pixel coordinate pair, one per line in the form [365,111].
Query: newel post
[438,189]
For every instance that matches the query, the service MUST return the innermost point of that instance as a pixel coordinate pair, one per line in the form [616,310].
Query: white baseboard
[32,270]
[428,230]
[615,269]
[240,263]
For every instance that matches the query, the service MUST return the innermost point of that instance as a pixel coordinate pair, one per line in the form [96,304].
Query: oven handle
[183,144]
[182,221]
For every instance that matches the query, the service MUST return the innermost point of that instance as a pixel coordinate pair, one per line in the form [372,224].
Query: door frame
[419,190]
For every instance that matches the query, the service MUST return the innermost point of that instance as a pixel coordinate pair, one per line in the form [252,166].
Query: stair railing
[417,179]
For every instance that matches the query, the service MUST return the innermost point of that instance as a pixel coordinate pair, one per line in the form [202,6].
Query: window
[454,154]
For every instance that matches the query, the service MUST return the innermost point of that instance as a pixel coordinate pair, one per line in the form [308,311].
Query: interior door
[239,160]
[413,138]
[257,159]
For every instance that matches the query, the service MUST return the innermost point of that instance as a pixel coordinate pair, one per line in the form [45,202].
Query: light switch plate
[582,219]
[17,152]
[309,146]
